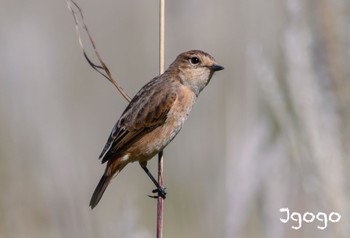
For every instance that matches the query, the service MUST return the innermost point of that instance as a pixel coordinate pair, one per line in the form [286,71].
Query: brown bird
[154,116]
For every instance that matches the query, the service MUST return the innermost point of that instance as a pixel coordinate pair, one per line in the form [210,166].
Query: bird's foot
[161,192]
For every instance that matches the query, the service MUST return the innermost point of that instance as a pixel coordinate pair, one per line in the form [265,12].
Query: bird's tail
[112,169]
[99,190]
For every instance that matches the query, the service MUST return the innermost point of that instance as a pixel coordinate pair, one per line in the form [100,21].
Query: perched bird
[154,116]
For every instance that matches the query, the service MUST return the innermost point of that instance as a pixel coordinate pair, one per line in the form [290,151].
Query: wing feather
[143,115]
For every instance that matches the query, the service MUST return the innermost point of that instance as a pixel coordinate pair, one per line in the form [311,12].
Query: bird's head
[195,69]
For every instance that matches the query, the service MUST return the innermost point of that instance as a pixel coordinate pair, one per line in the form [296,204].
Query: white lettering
[287,218]
[309,217]
[331,215]
[319,217]
[298,219]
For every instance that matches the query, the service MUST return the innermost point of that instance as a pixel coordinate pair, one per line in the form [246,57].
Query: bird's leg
[160,190]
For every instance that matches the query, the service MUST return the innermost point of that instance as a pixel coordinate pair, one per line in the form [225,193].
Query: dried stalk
[160,200]
[102,68]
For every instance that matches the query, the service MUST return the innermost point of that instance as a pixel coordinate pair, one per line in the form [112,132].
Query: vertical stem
[161,36]
[160,155]
[160,199]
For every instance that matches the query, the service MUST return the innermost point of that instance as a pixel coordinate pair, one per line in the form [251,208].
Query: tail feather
[112,169]
[99,190]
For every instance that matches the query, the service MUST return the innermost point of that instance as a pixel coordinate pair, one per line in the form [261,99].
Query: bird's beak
[216,67]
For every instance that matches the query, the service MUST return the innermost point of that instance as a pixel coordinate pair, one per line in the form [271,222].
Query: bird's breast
[179,112]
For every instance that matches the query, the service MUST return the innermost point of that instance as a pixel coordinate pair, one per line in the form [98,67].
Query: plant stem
[160,200]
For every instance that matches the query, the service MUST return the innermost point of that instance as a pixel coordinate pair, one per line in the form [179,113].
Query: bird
[154,117]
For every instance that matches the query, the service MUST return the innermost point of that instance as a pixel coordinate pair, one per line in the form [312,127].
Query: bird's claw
[161,193]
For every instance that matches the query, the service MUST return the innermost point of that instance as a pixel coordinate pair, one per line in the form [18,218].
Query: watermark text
[321,218]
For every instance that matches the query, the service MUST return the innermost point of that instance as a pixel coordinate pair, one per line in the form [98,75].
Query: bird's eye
[194,60]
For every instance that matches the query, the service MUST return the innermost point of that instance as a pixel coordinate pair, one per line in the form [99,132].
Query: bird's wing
[143,115]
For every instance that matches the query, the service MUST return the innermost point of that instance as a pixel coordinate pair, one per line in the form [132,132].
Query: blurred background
[271,131]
